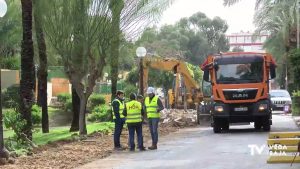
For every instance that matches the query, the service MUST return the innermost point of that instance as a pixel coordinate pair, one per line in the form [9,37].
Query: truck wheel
[266,125]
[257,125]
[217,126]
[225,126]
[217,129]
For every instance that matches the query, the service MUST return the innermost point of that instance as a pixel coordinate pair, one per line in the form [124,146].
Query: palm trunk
[114,64]
[27,68]
[116,7]
[42,72]
[75,109]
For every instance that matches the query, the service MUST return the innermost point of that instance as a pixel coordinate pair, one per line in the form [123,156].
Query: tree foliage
[277,18]
[84,34]
[11,30]
[191,38]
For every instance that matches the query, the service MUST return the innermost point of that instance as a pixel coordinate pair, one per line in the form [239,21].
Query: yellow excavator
[186,92]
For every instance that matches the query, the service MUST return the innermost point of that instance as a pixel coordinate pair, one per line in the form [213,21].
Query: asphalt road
[200,148]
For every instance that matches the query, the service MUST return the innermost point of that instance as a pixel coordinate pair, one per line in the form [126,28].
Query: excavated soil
[71,154]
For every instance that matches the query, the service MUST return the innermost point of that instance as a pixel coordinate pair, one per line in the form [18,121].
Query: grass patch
[62,133]
[53,111]
[8,133]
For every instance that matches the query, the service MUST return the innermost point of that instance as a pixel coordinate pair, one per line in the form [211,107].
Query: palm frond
[230,2]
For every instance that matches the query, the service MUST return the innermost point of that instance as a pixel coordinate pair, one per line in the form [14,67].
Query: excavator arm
[181,70]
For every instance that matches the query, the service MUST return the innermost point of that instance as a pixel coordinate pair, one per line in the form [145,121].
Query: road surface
[200,148]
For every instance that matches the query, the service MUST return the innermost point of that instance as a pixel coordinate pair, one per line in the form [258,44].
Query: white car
[281,100]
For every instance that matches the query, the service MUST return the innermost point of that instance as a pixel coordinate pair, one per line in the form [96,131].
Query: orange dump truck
[237,87]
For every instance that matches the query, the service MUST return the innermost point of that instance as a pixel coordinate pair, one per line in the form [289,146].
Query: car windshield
[279,94]
[236,70]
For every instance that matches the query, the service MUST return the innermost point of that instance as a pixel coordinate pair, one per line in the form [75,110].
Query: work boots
[153,147]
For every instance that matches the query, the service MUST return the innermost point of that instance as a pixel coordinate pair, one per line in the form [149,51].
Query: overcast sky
[239,16]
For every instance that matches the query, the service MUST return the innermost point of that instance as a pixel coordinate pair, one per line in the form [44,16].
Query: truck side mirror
[272,71]
[206,75]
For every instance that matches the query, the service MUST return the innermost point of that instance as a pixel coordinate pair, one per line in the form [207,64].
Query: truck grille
[279,102]
[240,94]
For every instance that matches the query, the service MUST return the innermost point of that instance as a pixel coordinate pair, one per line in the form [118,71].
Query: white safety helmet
[150,90]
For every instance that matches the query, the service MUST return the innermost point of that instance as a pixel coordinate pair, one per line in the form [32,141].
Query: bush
[12,63]
[63,97]
[11,97]
[36,114]
[18,143]
[100,113]
[296,93]
[11,117]
[96,100]
[296,103]
[17,146]
[66,100]
[68,105]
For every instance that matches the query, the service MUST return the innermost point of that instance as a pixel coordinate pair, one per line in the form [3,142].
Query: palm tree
[130,18]
[257,3]
[42,71]
[278,18]
[27,68]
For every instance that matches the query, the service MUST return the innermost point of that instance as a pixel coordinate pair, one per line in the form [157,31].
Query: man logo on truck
[241,95]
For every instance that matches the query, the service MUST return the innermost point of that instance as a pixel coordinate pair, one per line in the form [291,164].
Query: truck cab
[237,87]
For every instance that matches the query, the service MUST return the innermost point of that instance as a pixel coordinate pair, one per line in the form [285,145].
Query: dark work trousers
[153,125]
[118,130]
[132,128]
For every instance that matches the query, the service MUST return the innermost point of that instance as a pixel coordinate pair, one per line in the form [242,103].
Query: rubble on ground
[179,118]
[71,154]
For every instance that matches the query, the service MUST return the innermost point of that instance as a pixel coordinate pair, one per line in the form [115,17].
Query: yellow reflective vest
[121,108]
[134,112]
[151,107]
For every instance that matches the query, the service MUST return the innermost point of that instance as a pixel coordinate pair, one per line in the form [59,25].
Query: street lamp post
[141,53]
[3,9]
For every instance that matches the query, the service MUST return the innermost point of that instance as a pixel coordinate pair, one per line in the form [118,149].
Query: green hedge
[96,100]
[296,106]
[63,97]
[100,114]
[36,114]
[11,97]
[296,103]
[12,118]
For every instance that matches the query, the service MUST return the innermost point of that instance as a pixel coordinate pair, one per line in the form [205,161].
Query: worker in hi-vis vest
[153,107]
[134,116]
[118,117]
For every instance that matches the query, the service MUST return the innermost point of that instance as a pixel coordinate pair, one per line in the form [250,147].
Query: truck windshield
[236,70]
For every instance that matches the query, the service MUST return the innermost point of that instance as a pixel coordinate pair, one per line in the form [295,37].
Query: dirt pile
[179,118]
